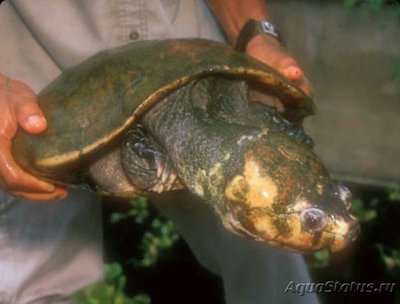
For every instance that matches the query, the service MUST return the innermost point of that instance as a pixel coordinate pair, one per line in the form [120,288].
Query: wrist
[256,32]
[262,41]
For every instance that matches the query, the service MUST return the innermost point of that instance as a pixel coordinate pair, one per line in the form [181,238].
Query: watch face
[269,28]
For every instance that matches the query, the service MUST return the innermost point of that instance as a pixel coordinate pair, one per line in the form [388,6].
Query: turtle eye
[313,219]
[345,196]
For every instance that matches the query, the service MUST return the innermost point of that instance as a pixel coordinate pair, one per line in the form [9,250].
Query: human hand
[18,108]
[271,52]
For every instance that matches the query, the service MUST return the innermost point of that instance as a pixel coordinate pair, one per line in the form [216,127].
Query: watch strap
[253,28]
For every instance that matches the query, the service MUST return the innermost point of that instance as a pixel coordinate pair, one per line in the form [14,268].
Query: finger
[291,70]
[59,193]
[293,73]
[306,87]
[14,178]
[276,56]
[26,109]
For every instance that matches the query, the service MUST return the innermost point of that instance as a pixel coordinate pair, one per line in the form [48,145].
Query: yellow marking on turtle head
[227,156]
[216,169]
[252,187]
[320,189]
[253,137]
[198,189]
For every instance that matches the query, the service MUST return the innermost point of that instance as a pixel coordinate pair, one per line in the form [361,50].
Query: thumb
[32,123]
[26,109]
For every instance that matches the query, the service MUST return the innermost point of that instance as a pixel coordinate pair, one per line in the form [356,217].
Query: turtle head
[284,196]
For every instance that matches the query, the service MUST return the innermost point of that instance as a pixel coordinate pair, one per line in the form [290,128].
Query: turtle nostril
[353,232]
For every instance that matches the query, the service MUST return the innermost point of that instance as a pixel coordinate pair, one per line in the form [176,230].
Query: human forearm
[233,14]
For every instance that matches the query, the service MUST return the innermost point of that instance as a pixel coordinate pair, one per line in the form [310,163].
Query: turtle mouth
[353,232]
[232,224]
[346,238]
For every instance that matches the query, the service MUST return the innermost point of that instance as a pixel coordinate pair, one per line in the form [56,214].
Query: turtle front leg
[146,164]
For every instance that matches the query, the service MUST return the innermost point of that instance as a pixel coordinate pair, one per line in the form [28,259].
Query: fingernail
[294,73]
[36,121]
[61,193]
[49,188]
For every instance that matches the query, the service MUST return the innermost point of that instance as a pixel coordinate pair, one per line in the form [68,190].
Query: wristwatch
[253,28]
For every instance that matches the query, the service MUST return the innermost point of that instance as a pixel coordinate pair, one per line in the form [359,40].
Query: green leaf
[390,257]
[376,4]
[396,67]
[362,212]
[350,3]
[116,217]
[321,259]
[394,194]
[160,238]
[110,290]
[113,271]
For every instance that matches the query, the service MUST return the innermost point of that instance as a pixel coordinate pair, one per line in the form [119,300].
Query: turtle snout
[354,231]
[346,196]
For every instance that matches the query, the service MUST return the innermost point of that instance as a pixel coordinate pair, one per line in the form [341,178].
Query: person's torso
[41,38]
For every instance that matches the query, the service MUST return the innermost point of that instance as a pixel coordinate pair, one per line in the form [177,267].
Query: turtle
[163,115]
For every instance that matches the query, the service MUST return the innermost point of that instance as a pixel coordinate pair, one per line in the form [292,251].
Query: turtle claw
[158,188]
[166,177]
[146,164]
[160,165]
